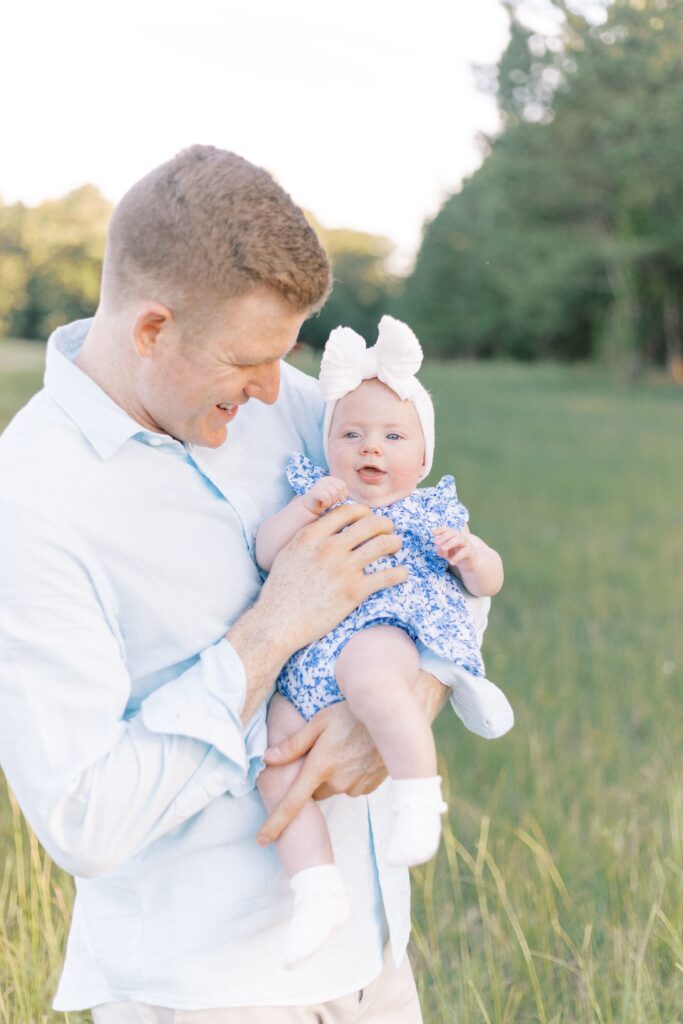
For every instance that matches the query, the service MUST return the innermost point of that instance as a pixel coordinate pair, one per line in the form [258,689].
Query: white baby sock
[418,806]
[481,706]
[322,903]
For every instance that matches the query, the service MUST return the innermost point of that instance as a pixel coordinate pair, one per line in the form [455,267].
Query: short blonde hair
[208,226]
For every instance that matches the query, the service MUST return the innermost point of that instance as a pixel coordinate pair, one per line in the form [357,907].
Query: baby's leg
[321,900]
[376,671]
[306,841]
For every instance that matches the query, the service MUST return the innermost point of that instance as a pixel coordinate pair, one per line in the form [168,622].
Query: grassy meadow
[557,895]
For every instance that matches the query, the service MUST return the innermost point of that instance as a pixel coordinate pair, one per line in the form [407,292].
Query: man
[137,645]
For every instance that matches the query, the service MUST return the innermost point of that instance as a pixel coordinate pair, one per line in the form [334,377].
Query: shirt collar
[103,423]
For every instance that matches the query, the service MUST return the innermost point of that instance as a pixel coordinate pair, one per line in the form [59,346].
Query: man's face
[376,445]
[192,388]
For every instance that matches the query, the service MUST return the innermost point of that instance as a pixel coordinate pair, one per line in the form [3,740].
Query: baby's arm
[478,566]
[277,530]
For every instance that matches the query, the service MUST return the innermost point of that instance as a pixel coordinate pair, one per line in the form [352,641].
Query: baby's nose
[371,444]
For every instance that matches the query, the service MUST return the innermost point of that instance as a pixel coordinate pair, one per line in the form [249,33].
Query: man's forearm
[263,653]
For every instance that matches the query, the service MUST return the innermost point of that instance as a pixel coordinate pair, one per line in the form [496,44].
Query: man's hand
[340,756]
[316,580]
[324,493]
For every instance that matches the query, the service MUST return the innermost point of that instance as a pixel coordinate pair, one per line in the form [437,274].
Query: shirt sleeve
[97,786]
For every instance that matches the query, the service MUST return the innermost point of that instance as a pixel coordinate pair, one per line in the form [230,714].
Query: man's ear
[151,321]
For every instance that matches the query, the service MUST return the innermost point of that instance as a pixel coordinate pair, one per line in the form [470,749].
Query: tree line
[566,243]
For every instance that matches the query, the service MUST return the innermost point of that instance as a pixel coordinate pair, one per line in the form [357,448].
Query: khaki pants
[390,999]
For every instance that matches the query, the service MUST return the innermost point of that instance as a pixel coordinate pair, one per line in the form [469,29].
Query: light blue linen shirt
[125,556]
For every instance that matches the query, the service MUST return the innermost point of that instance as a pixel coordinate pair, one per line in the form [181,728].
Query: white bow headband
[394,359]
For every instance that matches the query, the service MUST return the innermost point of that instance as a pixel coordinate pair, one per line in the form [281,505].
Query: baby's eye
[393,437]
[351,433]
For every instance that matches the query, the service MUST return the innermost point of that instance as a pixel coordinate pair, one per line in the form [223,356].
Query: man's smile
[228,411]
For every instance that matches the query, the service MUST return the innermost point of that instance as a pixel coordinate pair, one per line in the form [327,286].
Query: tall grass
[557,895]
[35,902]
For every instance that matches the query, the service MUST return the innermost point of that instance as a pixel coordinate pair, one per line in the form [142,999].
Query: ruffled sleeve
[441,505]
[302,473]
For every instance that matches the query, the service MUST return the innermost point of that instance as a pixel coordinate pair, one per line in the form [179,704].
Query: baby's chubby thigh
[283,720]
[375,665]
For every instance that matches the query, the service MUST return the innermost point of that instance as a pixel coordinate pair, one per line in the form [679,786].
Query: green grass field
[557,895]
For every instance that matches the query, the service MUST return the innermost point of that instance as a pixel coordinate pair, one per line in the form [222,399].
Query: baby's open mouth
[371,474]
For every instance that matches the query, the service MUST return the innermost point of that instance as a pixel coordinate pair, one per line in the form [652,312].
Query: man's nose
[265,385]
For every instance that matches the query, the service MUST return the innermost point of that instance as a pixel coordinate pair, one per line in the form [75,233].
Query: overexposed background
[366,111]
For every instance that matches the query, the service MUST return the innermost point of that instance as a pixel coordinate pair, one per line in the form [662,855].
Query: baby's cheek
[408,475]
[339,466]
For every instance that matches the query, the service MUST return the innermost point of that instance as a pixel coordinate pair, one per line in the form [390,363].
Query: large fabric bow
[395,359]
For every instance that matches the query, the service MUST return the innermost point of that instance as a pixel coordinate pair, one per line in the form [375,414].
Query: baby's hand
[325,493]
[459,547]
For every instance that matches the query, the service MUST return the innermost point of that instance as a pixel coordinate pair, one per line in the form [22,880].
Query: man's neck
[105,357]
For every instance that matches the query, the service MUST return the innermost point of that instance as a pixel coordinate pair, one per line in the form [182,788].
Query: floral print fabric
[428,605]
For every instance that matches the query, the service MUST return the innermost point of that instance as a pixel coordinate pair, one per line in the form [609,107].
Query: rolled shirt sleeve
[97,786]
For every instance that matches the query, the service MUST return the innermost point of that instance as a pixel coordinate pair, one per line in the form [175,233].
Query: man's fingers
[365,529]
[368,783]
[378,547]
[295,746]
[375,581]
[355,526]
[301,790]
[310,783]
[339,519]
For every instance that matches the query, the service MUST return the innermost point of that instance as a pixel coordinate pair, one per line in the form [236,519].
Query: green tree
[569,239]
[51,261]
[363,287]
[15,268]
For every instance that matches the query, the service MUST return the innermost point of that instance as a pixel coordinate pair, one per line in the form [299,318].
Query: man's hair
[208,226]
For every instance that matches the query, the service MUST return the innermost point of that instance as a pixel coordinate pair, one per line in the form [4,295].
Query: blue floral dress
[428,605]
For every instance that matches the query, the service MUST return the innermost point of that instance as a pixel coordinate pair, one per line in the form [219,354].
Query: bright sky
[365,110]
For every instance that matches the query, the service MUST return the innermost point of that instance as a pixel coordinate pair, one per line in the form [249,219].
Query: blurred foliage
[363,287]
[50,261]
[568,241]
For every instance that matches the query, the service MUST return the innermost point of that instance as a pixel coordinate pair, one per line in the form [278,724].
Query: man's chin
[208,438]
[214,440]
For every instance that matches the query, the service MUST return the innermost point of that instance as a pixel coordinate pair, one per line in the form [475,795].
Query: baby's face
[376,445]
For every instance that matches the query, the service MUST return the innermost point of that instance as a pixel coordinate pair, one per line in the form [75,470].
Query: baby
[378,437]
